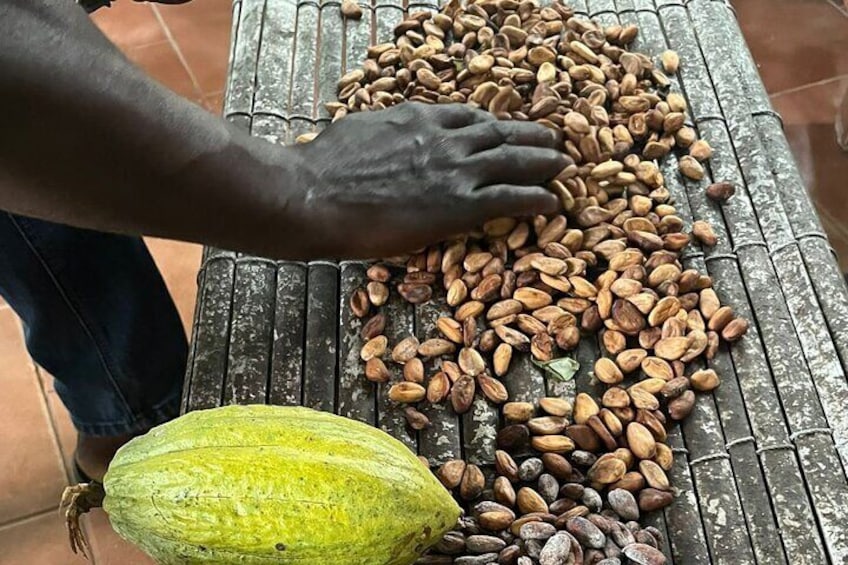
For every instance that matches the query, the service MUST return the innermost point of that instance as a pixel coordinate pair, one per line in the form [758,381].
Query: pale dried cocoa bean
[451,473]
[704,380]
[376,371]
[413,371]
[435,347]
[375,347]
[438,388]
[547,425]
[502,358]
[641,441]
[584,407]
[492,389]
[552,444]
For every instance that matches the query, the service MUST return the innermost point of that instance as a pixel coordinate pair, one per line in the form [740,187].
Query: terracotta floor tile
[129,24]
[837,236]
[841,5]
[161,62]
[31,472]
[824,167]
[62,425]
[815,104]
[214,103]
[108,547]
[38,541]
[201,30]
[178,262]
[808,116]
[795,42]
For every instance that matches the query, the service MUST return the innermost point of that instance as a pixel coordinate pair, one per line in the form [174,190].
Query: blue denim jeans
[98,317]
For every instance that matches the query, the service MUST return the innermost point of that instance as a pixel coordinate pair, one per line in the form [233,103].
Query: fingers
[453,116]
[511,200]
[480,137]
[512,164]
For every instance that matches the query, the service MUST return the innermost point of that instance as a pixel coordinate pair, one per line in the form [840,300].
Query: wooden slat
[753,500]
[684,523]
[302,98]
[356,396]
[813,340]
[400,324]
[231,101]
[784,384]
[606,13]
[702,432]
[321,349]
[251,333]
[440,442]
[247,27]
[826,276]
[287,374]
[357,39]
[525,383]
[208,357]
[254,294]
[790,373]
[330,56]
[479,428]
[274,69]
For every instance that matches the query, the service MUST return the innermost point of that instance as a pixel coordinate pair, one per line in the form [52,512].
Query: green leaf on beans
[562,369]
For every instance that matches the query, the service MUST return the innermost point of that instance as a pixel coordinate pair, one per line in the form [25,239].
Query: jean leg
[96,315]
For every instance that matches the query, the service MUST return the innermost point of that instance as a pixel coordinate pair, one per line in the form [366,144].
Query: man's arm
[87,139]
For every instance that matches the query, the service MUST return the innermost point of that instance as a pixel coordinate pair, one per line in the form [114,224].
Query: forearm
[87,139]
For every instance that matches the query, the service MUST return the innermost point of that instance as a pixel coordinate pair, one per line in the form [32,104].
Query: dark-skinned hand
[389,182]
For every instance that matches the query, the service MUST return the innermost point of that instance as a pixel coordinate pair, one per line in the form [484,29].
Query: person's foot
[94,453]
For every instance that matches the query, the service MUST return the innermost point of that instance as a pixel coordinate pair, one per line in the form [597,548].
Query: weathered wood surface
[760,465]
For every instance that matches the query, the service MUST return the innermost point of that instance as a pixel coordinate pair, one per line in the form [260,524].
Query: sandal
[79,475]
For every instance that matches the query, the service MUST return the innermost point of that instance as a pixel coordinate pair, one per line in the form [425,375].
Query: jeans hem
[141,423]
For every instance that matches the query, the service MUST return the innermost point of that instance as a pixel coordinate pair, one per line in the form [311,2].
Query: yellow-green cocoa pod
[271,484]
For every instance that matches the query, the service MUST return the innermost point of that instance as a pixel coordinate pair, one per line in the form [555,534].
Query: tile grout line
[23,520]
[29,518]
[54,435]
[175,46]
[45,406]
[132,48]
[52,421]
[795,89]
[842,8]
